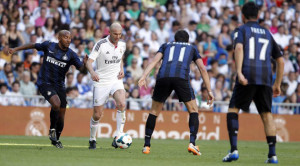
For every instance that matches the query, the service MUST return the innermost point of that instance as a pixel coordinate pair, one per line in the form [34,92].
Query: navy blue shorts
[49,90]
[242,97]
[164,87]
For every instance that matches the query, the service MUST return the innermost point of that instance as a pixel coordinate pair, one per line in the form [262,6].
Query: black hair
[3,84]
[250,10]
[15,82]
[181,36]
[175,23]
[33,65]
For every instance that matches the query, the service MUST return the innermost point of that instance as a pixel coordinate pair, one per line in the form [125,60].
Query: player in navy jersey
[174,75]
[58,57]
[254,49]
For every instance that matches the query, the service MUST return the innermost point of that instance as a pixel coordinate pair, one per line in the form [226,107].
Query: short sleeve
[95,52]
[276,52]
[196,54]
[76,61]
[238,36]
[162,48]
[42,46]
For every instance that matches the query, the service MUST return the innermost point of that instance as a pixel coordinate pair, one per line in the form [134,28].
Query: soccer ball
[123,141]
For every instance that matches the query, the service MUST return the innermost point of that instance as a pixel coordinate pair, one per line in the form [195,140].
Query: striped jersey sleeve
[96,50]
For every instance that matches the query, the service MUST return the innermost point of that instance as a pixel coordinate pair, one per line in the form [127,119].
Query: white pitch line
[46,145]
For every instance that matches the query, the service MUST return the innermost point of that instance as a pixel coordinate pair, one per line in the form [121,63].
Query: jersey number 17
[262,55]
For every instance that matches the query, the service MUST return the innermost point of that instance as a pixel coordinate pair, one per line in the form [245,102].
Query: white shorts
[101,94]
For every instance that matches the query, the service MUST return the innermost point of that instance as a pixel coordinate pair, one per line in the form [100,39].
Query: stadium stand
[147,24]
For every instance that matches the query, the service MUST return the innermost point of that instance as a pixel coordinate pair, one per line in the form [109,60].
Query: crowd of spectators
[146,25]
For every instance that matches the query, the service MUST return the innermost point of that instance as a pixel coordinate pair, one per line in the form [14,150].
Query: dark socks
[271,140]
[233,127]
[194,125]
[150,125]
[59,127]
[54,114]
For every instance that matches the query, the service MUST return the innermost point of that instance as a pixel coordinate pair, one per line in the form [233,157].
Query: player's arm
[279,75]
[89,66]
[23,47]
[239,54]
[157,58]
[276,54]
[239,57]
[121,73]
[206,80]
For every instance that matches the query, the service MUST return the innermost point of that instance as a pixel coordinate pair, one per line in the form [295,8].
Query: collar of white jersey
[107,38]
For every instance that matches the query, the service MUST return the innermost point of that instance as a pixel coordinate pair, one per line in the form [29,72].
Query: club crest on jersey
[65,57]
[49,93]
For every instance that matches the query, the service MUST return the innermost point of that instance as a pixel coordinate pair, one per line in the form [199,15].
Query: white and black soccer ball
[123,140]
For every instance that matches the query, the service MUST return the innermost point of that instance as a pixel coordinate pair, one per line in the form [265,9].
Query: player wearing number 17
[174,75]
[254,47]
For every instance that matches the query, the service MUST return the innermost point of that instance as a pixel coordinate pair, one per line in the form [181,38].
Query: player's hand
[211,99]
[95,77]
[11,51]
[276,90]
[242,79]
[142,82]
[121,74]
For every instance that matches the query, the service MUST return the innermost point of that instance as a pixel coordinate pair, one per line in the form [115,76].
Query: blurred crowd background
[146,25]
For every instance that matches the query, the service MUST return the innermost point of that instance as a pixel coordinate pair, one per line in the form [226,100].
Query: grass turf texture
[31,151]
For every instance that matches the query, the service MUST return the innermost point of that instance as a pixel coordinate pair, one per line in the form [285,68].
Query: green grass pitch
[37,151]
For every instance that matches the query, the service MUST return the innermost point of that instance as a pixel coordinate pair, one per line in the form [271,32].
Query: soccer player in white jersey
[107,78]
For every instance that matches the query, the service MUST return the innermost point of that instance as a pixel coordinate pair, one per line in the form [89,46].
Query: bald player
[58,57]
[107,77]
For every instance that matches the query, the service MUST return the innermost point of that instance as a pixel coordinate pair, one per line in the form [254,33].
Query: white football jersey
[108,60]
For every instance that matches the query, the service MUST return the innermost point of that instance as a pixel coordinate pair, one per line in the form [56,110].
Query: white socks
[121,118]
[93,129]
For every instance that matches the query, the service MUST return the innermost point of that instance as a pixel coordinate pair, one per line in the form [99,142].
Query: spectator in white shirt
[22,25]
[191,31]
[292,82]
[281,38]
[134,105]
[295,34]
[4,100]
[27,87]
[17,97]
[162,33]
[145,32]
[288,65]
[154,45]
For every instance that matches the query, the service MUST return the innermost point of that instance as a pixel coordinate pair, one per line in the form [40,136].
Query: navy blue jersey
[56,64]
[177,57]
[258,46]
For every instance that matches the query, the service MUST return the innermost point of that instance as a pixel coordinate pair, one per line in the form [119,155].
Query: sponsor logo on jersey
[56,62]
[114,60]
[107,52]
[51,52]
[65,57]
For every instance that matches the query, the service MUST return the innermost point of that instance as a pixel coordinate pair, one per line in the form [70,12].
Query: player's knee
[97,117]
[193,109]
[121,106]
[56,105]
[154,112]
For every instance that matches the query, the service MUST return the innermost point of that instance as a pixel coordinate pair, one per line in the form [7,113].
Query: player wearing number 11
[254,47]
[174,75]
